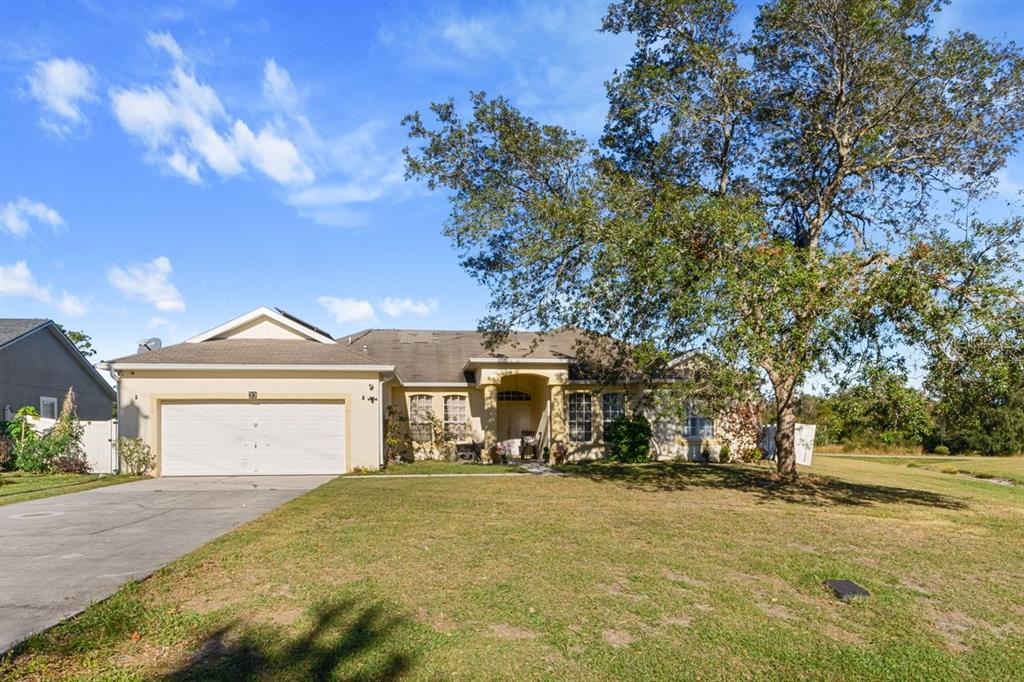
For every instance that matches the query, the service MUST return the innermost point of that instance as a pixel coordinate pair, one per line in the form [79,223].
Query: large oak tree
[788,203]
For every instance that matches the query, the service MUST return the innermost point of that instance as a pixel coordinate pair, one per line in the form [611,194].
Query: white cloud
[72,305]
[17,281]
[165,41]
[473,36]
[367,174]
[60,86]
[275,156]
[16,216]
[186,128]
[396,307]
[149,282]
[347,310]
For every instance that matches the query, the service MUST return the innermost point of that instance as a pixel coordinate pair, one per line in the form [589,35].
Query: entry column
[490,416]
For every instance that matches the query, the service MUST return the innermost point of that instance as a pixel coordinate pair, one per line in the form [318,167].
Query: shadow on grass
[809,489]
[339,635]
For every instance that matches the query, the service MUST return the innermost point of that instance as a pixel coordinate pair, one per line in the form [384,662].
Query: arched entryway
[522,412]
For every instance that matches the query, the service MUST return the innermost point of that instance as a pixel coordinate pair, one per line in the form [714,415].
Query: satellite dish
[150,344]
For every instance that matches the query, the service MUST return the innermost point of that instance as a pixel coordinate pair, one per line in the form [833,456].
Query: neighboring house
[38,364]
[267,393]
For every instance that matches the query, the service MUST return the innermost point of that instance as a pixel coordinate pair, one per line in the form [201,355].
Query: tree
[82,341]
[979,381]
[879,409]
[789,204]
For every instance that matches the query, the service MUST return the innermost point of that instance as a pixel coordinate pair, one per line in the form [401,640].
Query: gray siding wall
[40,365]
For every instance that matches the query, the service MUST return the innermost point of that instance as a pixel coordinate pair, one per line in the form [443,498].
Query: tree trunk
[785,451]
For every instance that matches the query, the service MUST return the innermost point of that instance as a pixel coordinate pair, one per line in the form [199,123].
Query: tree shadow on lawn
[808,489]
[337,636]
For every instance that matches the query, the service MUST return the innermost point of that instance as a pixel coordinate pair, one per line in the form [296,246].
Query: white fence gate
[98,442]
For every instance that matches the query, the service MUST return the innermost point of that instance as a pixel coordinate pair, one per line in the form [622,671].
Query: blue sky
[166,167]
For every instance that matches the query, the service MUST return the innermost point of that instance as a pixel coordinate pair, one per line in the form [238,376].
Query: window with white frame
[581,426]
[421,411]
[455,416]
[47,407]
[613,406]
[700,427]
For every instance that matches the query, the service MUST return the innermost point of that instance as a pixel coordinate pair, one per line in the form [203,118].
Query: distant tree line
[883,410]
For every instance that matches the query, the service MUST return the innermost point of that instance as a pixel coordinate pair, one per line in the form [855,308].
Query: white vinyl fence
[803,437]
[98,441]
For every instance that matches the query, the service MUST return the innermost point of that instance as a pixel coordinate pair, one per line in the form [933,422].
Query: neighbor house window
[580,417]
[613,406]
[421,410]
[700,427]
[48,407]
[455,416]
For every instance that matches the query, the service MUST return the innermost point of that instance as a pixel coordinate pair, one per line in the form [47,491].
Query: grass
[432,467]
[1005,468]
[668,571]
[18,486]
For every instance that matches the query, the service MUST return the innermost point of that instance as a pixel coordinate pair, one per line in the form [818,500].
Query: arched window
[455,416]
[513,395]
[421,410]
[581,426]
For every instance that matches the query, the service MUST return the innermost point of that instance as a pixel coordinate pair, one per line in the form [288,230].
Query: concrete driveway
[60,554]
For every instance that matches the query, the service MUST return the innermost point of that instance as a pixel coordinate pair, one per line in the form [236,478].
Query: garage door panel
[224,439]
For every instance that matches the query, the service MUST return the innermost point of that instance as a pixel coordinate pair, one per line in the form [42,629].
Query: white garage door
[243,439]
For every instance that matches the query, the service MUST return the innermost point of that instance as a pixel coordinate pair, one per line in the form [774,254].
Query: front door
[513,419]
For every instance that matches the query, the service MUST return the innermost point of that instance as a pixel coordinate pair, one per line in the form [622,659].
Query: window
[421,410]
[513,395]
[700,427]
[580,418]
[48,407]
[613,406]
[455,416]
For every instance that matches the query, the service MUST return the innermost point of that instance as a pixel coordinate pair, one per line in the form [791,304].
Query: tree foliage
[789,203]
[82,341]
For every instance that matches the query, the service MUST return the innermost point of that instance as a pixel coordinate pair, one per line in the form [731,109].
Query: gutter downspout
[380,416]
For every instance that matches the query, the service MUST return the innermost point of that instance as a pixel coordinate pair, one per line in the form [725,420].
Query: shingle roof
[441,356]
[12,328]
[418,355]
[253,352]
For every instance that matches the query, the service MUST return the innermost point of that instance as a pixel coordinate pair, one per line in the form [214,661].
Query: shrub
[629,438]
[6,449]
[136,457]
[725,453]
[63,444]
[71,464]
[941,450]
[752,455]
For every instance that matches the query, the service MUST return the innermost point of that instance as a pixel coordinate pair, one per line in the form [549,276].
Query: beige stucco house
[267,393]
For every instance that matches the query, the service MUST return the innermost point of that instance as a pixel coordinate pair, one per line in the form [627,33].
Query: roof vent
[365,348]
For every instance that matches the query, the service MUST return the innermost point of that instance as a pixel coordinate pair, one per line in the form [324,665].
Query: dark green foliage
[629,438]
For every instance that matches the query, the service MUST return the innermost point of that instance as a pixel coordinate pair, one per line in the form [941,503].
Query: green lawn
[16,486]
[1006,468]
[431,467]
[682,571]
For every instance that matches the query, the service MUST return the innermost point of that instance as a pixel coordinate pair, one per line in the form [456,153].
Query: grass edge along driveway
[674,571]
[17,486]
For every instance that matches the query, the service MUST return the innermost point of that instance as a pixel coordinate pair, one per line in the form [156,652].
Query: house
[38,364]
[267,393]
